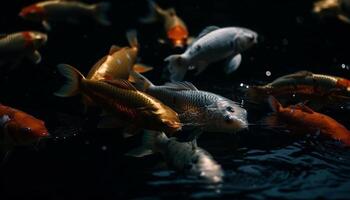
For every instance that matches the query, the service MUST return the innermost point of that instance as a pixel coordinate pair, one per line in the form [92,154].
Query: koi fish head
[178,36]
[26,128]
[245,39]
[228,116]
[37,39]
[344,84]
[33,12]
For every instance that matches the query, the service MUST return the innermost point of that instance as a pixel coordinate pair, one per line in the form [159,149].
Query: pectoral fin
[233,64]
[190,41]
[46,25]
[35,57]
[343,18]
[131,131]
[142,68]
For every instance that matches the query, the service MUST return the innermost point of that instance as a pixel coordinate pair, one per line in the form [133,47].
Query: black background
[77,167]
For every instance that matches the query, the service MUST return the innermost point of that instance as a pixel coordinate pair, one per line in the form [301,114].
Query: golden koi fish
[133,108]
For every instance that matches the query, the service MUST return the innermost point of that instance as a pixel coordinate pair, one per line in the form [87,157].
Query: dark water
[259,164]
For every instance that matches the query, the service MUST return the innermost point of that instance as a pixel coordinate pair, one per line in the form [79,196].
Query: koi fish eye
[230,109]
[26,130]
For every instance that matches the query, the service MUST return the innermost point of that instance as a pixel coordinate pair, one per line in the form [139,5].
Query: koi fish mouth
[178,43]
[45,134]
[173,126]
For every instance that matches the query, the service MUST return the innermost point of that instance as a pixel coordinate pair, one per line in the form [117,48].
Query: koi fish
[16,46]
[119,98]
[117,64]
[65,11]
[119,61]
[302,119]
[333,8]
[181,156]
[18,128]
[304,85]
[175,28]
[202,110]
[213,44]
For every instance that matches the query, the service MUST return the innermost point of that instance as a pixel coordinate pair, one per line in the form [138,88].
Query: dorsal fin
[304,108]
[301,74]
[207,30]
[113,49]
[180,86]
[131,35]
[124,84]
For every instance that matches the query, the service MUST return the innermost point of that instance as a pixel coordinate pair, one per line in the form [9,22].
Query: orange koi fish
[19,128]
[319,88]
[302,119]
[175,27]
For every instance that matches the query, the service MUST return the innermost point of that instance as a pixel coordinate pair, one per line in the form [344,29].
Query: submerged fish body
[19,128]
[122,100]
[212,45]
[175,28]
[15,46]
[182,156]
[302,119]
[200,109]
[65,11]
[307,85]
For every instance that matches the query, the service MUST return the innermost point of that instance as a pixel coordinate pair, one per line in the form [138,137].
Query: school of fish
[130,102]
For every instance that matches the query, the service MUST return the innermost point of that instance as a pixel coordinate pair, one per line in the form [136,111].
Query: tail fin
[152,15]
[149,143]
[131,35]
[177,67]
[274,104]
[101,10]
[141,82]
[73,77]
